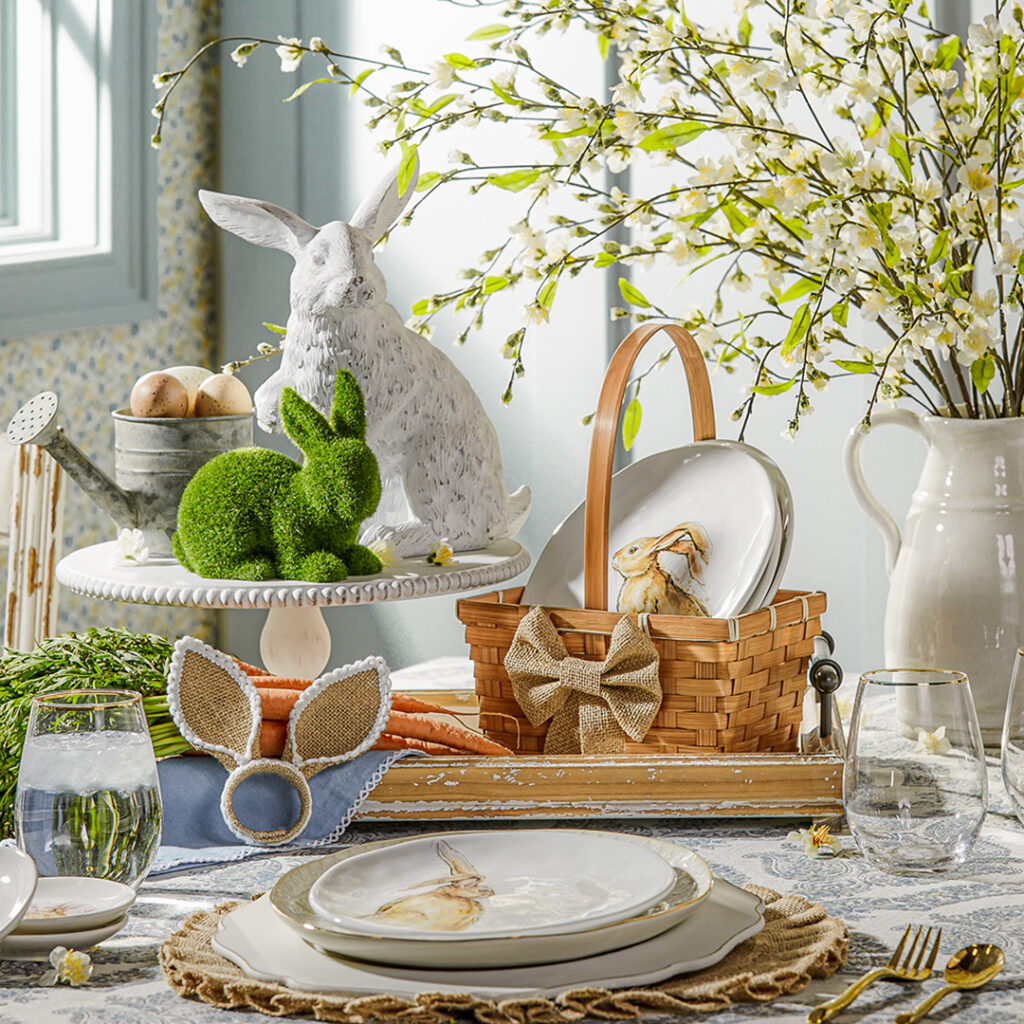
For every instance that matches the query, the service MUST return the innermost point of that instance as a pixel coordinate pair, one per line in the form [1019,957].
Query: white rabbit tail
[440,464]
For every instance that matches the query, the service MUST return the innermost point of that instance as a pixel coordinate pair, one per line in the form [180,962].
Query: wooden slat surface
[542,786]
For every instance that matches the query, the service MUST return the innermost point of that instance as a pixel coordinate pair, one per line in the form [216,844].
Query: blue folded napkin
[194,831]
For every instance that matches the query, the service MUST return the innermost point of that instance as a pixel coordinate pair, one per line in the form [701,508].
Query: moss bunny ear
[213,703]
[339,717]
[302,423]
[348,413]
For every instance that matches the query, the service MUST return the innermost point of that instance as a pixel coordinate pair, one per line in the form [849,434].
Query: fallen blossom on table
[70,966]
[441,554]
[817,841]
[931,742]
[384,550]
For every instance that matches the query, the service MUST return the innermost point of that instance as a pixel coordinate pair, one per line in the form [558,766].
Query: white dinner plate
[66,904]
[492,884]
[17,884]
[289,897]
[723,489]
[38,946]
[258,941]
[776,566]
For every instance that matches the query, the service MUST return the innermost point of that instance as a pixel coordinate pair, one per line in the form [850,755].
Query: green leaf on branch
[738,221]
[840,313]
[854,366]
[631,423]
[982,372]
[604,259]
[504,94]
[428,180]
[275,328]
[359,79]
[421,308]
[406,167]
[947,53]
[800,289]
[632,294]
[603,45]
[574,134]
[798,329]
[773,389]
[901,157]
[419,107]
[458,60]
[546,295]
[880,214]
[514,181]
[304,87]
[490,32]
[495,284]
[673,136]
[745,29]
[939,247]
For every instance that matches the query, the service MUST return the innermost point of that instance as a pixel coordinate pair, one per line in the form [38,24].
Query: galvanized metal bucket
[155,458]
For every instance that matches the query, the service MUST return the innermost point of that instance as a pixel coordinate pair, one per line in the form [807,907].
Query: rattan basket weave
[729,685]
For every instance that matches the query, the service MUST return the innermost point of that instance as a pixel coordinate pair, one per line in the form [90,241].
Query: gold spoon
[970,968]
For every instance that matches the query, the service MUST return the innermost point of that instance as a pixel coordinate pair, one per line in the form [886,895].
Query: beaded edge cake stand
[295,640]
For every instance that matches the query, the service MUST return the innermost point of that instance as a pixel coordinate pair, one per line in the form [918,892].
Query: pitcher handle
[872,507]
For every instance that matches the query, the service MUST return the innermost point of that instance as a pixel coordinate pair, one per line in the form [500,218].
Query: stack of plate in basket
[524,913]
[39,914]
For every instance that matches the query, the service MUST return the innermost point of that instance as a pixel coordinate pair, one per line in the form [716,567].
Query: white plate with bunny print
[493,884]
[696,530]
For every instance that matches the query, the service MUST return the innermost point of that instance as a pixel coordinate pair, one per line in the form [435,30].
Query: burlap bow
[593,705]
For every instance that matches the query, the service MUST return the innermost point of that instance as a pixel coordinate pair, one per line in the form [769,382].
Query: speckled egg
[191,377]
[222,395]
[159,394]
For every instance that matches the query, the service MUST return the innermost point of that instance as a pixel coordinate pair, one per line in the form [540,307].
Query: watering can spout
[36,423]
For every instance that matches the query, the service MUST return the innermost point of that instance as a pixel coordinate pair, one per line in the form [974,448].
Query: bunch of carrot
[408,727]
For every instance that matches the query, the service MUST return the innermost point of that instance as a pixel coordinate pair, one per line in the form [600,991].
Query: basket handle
[606,430]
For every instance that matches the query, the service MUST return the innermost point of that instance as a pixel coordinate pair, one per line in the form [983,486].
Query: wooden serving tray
[609,786]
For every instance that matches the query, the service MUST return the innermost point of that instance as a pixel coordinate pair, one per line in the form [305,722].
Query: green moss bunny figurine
[254,514]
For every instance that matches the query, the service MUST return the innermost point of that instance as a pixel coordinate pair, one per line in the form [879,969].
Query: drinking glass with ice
[88,798]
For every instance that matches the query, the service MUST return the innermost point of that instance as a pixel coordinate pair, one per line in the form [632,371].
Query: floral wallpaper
[93,370]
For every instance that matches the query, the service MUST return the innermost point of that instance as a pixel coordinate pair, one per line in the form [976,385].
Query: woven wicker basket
[729,685]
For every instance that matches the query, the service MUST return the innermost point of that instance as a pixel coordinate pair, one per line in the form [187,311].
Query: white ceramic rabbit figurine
[440,463]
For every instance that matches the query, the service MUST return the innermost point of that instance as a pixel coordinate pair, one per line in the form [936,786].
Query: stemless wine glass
[1013,738]
[914,785]
[88,799]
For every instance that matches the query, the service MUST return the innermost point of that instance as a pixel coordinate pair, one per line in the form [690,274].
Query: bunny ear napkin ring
[217,709]
[593,705]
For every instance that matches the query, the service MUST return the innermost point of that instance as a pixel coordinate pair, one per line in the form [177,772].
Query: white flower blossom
[130,548]
[290,52]
[70,967]
[931,742]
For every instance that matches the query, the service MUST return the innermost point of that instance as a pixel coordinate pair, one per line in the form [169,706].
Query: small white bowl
[70,904]
[17,884]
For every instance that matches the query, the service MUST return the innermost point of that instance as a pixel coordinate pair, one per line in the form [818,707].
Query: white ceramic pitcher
[955,601]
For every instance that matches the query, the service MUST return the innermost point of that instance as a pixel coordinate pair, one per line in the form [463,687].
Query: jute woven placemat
[799,942]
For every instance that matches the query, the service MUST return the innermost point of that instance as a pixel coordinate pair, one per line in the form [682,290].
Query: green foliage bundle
[97,659]
[254,514]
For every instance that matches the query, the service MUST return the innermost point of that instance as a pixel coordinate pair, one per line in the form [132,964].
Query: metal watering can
[154,458]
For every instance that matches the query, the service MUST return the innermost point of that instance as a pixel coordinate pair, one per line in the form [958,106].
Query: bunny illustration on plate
[254,514]
[661,575]
[450,907]
[216,707]
[440,462]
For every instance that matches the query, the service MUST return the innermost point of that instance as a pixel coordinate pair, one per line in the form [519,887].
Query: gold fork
[910,970]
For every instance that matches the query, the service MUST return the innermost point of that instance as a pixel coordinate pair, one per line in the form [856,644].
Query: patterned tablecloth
[984,901]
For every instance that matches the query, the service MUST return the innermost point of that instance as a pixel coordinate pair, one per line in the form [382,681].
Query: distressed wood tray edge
[627,786]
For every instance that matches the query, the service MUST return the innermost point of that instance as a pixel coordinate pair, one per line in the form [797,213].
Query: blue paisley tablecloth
[984,901]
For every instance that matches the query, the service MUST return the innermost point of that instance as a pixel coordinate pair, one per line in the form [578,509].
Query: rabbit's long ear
[381,208]
[341,715]
[258,222]
[302,423]
[348,413]
[213,703]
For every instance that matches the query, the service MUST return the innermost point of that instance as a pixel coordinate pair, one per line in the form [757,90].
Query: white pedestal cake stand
[295,640]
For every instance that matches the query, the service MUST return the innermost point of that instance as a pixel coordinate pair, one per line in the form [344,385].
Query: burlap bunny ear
[339,717]
[214,703]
